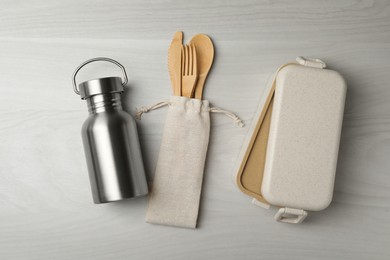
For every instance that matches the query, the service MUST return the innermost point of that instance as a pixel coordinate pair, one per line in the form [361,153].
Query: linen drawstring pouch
[176,189]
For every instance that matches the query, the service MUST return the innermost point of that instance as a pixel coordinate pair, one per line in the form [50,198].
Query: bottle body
[112,150]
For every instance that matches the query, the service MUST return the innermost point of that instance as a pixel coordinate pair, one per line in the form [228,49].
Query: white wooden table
[46,211]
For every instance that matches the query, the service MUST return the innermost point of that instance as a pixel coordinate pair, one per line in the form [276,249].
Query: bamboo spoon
[205,56]
[189,70]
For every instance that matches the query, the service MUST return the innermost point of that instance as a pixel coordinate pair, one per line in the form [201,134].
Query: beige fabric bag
[175,195]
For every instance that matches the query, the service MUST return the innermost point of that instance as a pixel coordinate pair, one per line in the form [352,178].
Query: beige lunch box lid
[277,165]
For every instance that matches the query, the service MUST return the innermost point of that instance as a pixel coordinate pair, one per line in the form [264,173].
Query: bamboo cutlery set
[190,64]
[177,185]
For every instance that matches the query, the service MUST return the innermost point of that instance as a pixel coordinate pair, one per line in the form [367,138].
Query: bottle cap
[100,86]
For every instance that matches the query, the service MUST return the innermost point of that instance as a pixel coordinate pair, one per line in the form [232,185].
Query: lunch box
[290,155]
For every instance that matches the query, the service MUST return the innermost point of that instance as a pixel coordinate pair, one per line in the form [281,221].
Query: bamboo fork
[189,69]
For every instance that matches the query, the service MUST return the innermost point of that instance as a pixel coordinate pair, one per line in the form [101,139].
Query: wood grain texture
[46,210]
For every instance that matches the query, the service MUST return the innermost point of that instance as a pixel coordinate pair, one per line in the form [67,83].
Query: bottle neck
[104,103]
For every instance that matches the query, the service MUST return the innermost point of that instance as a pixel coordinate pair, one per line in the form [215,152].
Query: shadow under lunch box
[290,155]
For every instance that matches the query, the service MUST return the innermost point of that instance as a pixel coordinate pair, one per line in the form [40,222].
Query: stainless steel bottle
[110,139]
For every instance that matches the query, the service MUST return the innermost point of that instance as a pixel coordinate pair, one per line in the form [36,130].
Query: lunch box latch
[310,62]
[290,215]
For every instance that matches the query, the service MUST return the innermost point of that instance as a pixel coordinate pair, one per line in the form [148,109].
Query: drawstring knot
[144,109]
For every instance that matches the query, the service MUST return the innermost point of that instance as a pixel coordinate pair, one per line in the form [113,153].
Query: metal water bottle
[110,139]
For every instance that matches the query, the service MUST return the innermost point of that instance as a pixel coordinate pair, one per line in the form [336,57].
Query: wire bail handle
[125,79]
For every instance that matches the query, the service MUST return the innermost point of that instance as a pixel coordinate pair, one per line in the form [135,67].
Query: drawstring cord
[234,117]
[144,109]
